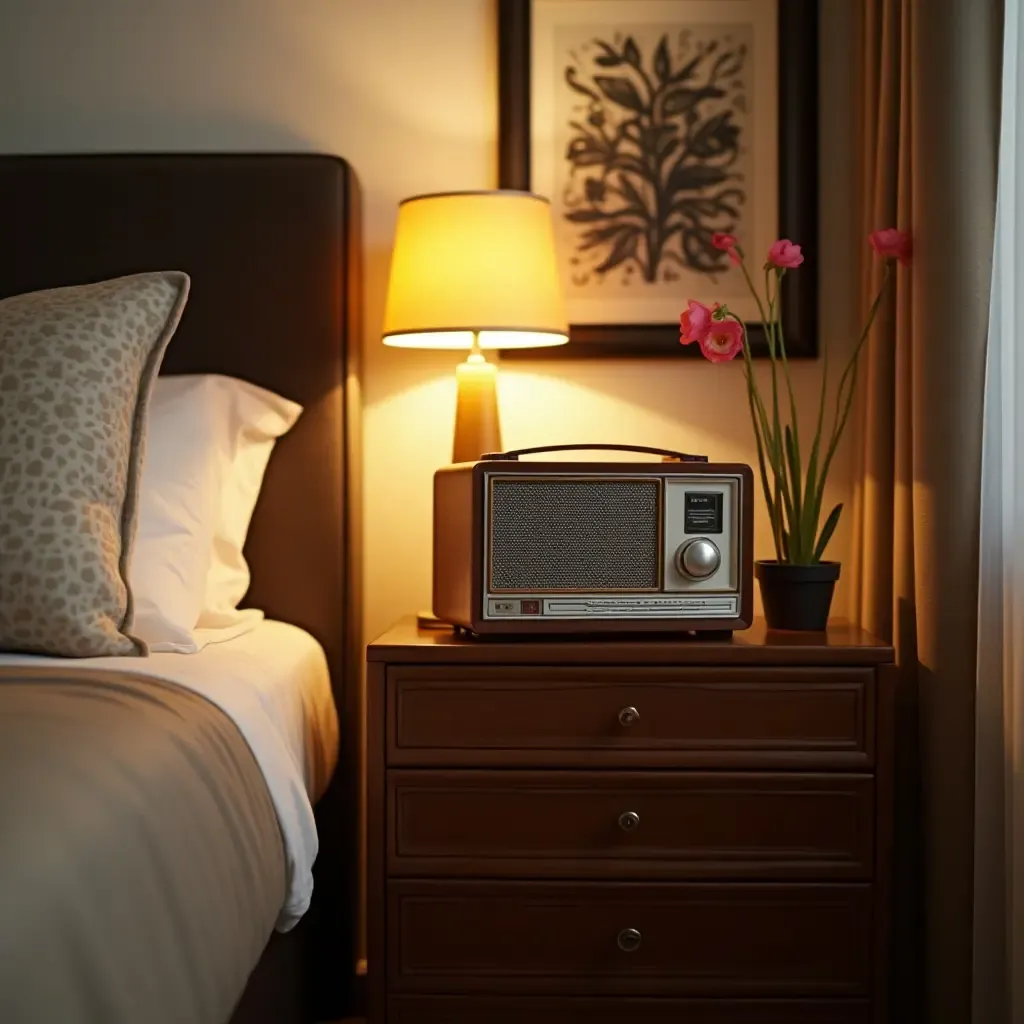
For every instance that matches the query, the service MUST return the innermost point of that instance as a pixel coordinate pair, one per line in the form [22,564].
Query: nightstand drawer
[621,717]
[620,939]
[621,1010]
[630,824]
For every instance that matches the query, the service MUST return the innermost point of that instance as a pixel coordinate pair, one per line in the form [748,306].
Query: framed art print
[650,125]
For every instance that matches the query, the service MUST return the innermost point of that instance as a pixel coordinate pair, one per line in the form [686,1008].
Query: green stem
[800,547]
[844,395]
[797,502]
[770,335]
[834,442]
[777,520]
[753,291]
[811,514]
[759,421]
[773,434]
[849,373]
[867,328]
[765,485]
[786,504]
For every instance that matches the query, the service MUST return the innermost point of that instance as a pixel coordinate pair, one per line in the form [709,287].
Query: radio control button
[698,558]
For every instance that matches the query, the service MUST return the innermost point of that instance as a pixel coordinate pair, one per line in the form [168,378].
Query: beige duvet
[141,862]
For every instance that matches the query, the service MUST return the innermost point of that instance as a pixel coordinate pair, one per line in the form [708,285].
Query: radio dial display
[703,512]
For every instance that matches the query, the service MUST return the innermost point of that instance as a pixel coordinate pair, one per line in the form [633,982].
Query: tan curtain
[929,126]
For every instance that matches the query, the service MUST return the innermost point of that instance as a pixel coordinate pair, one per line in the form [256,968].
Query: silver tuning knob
[698,558]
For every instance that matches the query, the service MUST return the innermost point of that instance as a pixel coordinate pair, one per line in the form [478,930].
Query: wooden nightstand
[636,832]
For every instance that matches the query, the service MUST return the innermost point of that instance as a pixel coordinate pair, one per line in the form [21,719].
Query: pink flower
[694,323]
[785,254]
[728,243]
[891,243]
[724,341]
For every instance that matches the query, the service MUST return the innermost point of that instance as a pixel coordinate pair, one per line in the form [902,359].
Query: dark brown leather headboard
[271,243]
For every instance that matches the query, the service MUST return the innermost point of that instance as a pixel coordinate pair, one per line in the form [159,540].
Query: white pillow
[256,419]
[178,509]
[209,439]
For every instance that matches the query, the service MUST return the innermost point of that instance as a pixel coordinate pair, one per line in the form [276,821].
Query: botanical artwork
[652,155]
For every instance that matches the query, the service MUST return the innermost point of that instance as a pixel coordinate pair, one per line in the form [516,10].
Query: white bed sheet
[274,685]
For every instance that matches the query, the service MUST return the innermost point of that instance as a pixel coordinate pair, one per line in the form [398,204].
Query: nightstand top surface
[841,644]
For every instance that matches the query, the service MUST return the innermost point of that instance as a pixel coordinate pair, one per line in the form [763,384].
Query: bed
[272,246]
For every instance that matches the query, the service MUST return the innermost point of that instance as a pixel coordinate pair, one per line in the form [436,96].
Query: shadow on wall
[88,130]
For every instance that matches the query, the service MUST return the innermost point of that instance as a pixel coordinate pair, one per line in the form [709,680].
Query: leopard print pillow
[76,369]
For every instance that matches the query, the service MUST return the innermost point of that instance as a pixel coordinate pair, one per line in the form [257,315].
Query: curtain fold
[876,559]
[999,760]
[929,127]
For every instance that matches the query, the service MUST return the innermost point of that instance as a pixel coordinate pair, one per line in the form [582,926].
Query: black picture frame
[798,187]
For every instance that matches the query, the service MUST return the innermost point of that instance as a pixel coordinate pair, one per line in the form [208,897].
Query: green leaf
[797,549]
[826,532]
[759,422]
[766,486]
[778,515]
[837,429]
[810,520]
[786,509]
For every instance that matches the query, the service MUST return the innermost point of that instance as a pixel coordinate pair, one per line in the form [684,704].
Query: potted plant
[797,585]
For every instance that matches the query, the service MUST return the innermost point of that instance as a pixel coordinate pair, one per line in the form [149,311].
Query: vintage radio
[593,547]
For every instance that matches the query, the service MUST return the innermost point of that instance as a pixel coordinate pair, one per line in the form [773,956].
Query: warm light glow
[474,261]
[464,340]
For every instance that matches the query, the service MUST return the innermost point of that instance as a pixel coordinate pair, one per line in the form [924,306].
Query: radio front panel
[611,546]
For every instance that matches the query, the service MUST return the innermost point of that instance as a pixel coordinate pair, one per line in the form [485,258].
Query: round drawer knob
[628,717]
[629,940]
[628,820]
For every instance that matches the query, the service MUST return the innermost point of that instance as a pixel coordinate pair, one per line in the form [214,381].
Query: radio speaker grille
[583,536]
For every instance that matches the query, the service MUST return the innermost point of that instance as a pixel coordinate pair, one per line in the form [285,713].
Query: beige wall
[404,89]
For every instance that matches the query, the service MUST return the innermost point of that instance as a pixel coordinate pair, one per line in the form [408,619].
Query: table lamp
[475,271]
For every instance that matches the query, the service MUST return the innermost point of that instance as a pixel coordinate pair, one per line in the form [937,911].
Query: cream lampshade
[475,271]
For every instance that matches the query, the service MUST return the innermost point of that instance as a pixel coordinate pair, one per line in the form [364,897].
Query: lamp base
[428,620]
[477,429]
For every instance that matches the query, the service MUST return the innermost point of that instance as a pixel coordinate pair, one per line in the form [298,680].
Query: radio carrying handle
[665,453]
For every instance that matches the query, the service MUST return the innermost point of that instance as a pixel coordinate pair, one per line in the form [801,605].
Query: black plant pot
[796,596]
